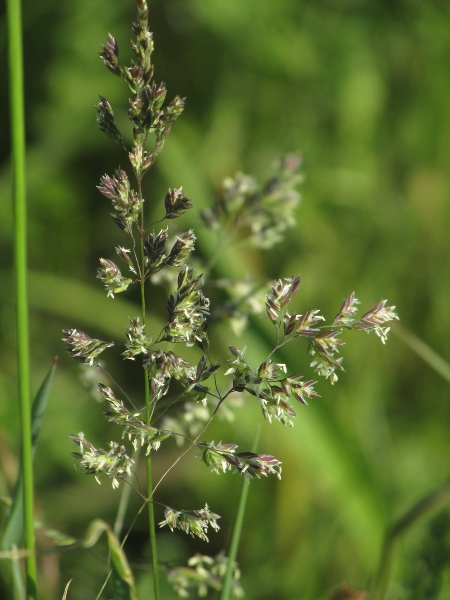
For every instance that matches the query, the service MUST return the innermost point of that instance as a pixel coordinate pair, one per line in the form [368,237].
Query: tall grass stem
[148,413]
[14,17]
[237,529]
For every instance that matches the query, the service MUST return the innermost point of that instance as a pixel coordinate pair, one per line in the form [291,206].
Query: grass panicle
[175,390]
[188,377]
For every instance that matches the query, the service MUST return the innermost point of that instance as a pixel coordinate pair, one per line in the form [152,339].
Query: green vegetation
[361,89]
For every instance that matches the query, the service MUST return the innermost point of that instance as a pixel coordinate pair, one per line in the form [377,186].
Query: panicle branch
[114,463]
[82,347]
[192,522]
[223,457]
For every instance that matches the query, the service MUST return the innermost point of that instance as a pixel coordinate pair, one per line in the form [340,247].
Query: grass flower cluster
[180,395]
[259,214]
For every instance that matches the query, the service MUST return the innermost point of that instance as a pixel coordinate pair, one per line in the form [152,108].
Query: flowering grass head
[181,397]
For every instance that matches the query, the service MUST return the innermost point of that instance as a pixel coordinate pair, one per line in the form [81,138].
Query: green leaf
[121,575]
[17,582]
[13,534]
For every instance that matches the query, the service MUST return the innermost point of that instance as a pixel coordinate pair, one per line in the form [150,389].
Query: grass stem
[151,521]
[17,112]
[236,536]
[148,413]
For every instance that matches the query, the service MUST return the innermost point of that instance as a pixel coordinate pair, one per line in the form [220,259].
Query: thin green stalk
[148,416]
[235,538]
[151,513]
[151,520]
[20,265]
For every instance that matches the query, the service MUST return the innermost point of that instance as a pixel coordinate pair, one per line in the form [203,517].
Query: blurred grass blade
[423,509]
[18,587]
[13,535]
[121,575]
[427,354]
[39,404]
[81,303]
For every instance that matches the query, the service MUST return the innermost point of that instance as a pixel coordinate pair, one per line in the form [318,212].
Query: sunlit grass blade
[13,535]
[81,303]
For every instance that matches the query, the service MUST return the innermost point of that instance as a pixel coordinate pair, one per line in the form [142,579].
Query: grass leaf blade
[13,534]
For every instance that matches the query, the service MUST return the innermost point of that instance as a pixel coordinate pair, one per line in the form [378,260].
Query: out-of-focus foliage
[362,89]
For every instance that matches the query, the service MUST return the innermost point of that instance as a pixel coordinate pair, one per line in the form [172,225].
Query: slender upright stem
[151,522]
[20,262]
[237,529]
[148,416]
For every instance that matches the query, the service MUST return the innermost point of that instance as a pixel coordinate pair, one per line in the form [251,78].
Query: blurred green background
[361,88]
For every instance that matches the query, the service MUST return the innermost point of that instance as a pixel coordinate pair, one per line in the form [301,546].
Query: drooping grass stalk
[20,265]
[422,509]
